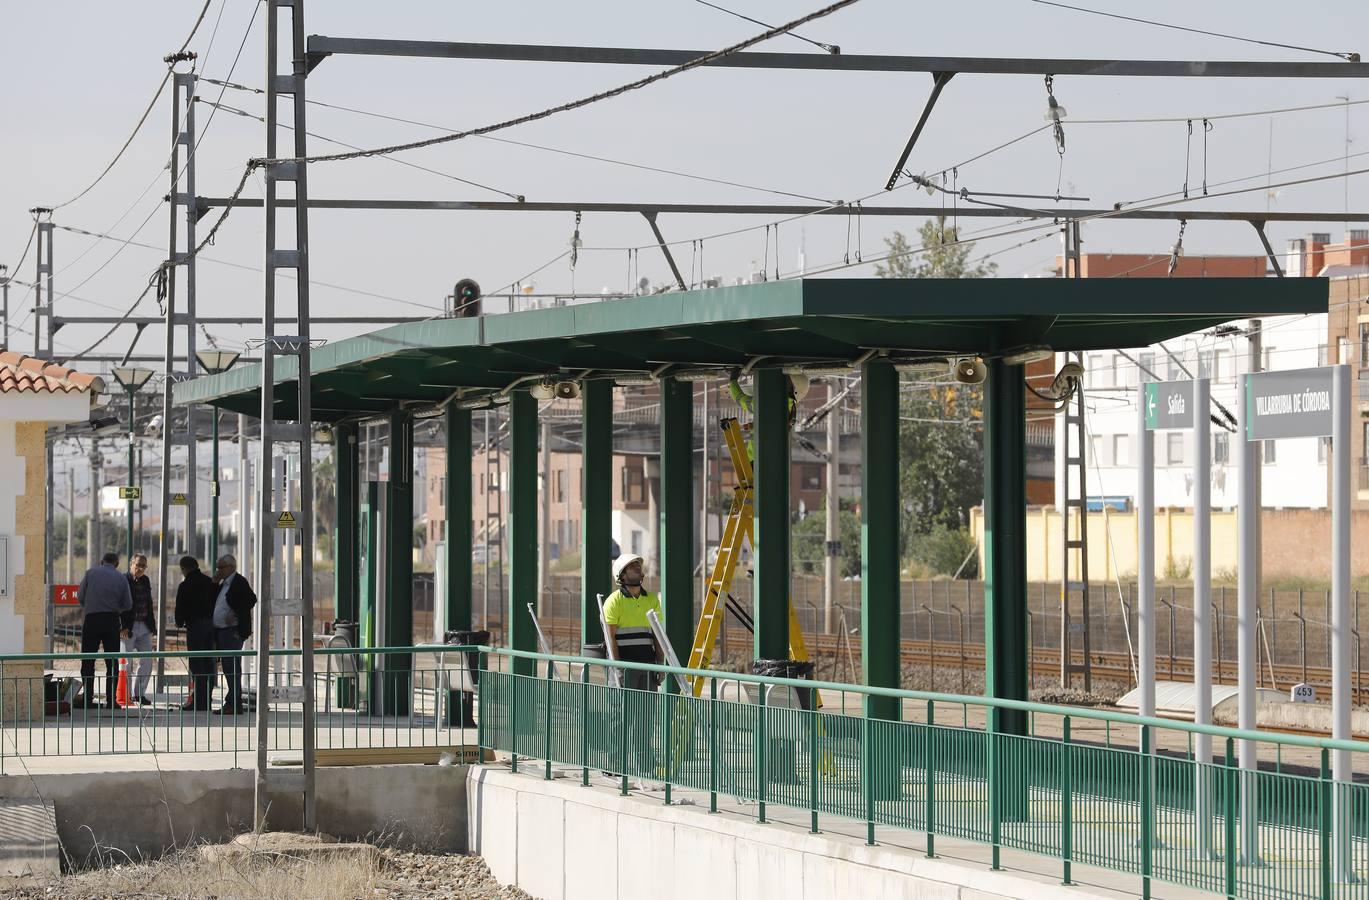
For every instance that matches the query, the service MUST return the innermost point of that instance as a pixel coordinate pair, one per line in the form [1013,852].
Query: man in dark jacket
[195,613]
[233,606]
[139,627]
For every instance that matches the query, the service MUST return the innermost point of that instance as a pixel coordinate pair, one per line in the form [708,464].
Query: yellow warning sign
[130,493]
[286,520]
[178,499]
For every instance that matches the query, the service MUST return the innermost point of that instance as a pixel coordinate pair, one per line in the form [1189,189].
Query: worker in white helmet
[625,616]
[629,633]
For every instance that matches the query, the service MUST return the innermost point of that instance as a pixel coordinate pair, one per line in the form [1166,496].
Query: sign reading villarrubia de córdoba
[1291,404]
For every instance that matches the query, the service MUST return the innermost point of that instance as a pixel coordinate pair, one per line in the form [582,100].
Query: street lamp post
[215,362]
[130,379]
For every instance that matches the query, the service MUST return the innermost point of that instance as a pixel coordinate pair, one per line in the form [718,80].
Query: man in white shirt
[233,605]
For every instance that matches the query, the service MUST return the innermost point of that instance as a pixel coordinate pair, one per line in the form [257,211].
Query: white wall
[558,840]
[15,408]
[11,486]
[1295,478]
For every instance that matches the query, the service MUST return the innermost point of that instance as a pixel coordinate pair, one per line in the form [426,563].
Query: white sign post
[1296,404]
[1178,405]
[1202,606]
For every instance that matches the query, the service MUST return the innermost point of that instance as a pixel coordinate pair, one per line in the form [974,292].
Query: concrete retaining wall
[145,814]
[558,840]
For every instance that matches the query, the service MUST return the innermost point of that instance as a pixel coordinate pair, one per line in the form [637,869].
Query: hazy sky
[76,75]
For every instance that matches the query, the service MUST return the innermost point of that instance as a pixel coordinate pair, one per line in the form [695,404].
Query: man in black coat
[195,613]
[232,619]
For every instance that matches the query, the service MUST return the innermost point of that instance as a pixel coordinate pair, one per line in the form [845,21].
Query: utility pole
[1346,181]
[42,289]
[833,531]
[182,135]
[544,573]
[5,306]
[93,522]
[71,515]
[271,512]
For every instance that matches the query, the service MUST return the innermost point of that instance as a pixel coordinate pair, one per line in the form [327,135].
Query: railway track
[1108,666]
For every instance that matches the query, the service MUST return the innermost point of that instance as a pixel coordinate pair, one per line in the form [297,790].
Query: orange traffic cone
[121,692]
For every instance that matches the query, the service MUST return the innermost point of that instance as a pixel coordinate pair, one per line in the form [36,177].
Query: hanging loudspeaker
[567,390]
[970,370]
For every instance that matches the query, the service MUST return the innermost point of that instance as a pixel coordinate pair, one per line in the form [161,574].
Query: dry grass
[260,871]
[263,875]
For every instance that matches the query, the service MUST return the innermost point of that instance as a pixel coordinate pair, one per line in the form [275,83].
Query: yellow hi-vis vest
[628,615]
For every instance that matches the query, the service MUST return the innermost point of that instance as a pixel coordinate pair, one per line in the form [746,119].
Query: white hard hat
[623,562]
[800,383]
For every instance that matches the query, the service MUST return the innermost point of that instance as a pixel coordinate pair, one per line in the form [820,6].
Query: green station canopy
[813,321]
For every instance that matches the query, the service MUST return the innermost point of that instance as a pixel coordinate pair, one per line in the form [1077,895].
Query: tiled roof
[21,374]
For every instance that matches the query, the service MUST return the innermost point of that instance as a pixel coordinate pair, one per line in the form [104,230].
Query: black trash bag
[786,668]
[782,668]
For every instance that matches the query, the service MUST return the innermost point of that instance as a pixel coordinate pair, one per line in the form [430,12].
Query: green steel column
[879,554]
[678,514]
[346,544]
[522,525]
[399,564]
[1005,584]
[458,504]
[1005,545]
[879,547]
[596,514]
[771,526]
[346,562]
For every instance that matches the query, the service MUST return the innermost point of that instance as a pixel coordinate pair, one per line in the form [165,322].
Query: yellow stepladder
[737,529]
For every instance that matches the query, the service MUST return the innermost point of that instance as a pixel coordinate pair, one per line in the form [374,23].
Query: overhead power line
[582,102]
[224,262]
[1347,56]
[171,61]
[257,163]
[402,162]
[830,48]
[542,147]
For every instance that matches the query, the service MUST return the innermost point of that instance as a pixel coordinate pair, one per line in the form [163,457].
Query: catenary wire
[580,103]
[257,163]
[830,48]
[402,162]
[1345,55]
[244,266]
[542,147]
[146,112]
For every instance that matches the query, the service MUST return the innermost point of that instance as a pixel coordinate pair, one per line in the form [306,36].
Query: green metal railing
[371,698]
[1089,786]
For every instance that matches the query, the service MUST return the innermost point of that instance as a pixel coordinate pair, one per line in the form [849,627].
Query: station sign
[1169,404]
[65,595]
[130,492]
[1291,404]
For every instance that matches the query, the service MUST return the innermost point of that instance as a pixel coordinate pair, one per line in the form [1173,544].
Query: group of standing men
[216,614]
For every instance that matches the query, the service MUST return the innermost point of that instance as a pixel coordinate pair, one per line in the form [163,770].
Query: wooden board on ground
[462,754]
